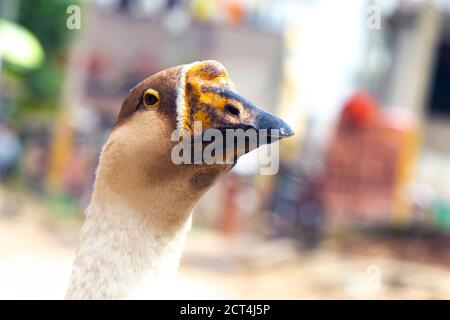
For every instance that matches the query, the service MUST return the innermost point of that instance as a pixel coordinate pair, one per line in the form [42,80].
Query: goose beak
[210,99]
[265,123]
[263,120]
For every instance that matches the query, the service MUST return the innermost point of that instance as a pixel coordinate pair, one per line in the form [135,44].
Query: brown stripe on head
[165,83]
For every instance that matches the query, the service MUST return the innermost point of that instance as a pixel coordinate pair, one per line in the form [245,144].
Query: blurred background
[360,207]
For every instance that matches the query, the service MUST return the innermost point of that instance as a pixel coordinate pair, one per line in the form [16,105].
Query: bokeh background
[360,207]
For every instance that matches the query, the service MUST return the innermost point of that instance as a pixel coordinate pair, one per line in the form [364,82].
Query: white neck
[122,250]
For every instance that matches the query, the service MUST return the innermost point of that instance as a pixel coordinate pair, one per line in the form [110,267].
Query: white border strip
[181,95]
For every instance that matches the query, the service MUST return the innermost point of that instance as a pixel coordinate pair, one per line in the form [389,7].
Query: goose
[141,206]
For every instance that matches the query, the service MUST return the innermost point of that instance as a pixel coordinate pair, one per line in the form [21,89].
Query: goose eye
[151,98]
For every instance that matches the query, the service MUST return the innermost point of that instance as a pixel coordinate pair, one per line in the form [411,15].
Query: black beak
[262,121]
[274,125]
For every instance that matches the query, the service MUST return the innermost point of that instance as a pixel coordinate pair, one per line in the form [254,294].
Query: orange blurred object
[360,109]
[235,12]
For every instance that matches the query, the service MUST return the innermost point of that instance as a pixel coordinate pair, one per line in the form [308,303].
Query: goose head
[137,160]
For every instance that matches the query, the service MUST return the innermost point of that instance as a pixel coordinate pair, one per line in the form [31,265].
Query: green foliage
[47,20]
[40,88]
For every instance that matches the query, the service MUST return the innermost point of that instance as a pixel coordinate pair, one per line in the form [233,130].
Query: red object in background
[360,109]
[369,163]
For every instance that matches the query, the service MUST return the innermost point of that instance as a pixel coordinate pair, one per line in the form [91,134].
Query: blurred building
[301,59]
[285,56]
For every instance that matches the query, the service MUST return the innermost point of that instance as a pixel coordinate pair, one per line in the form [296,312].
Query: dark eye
[232,110]
[151,98]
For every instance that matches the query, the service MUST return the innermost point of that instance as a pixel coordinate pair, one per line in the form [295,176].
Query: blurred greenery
[19,46]
[47,20]
[39,90]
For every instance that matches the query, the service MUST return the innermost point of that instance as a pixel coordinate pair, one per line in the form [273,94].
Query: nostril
[232,110]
